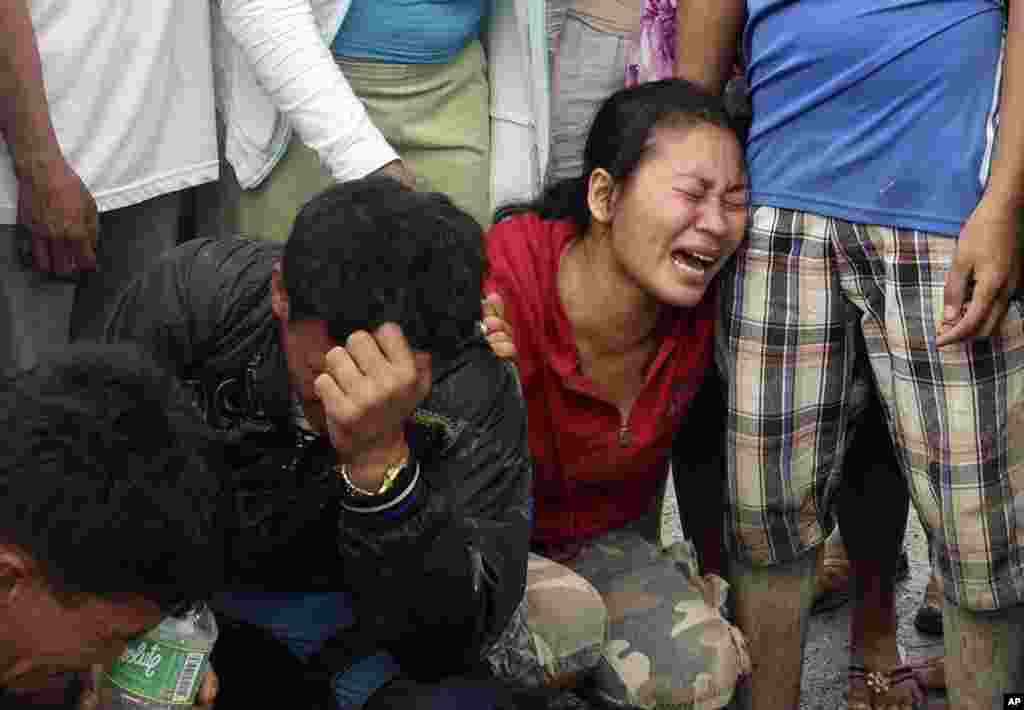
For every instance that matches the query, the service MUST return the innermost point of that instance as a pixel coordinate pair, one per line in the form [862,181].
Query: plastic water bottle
[164,668]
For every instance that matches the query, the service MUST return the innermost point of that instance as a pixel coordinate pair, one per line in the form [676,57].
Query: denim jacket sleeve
[442,584]
[285,44]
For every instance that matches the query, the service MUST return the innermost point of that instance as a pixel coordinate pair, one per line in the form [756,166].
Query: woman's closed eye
[691,194]
[732,200]
[737,198]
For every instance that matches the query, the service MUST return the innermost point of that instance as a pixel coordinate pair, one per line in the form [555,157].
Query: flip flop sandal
[930,672]
[867,689]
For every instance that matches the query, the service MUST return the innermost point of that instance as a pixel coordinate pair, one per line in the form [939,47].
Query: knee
[978,586]
[779,593]
[696,659]
[567,619]
[743,571]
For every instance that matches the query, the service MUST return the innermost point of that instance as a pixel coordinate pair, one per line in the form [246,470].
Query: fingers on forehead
[393,343]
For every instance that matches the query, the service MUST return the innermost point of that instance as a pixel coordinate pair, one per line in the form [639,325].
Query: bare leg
[873,507]
[984,656]
[772,606]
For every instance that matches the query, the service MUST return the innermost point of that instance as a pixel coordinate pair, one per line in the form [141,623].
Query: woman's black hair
[618,139]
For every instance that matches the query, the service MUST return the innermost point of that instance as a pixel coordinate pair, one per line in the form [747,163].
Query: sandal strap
[881,682]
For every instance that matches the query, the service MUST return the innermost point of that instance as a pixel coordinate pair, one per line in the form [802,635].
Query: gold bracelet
[390,476]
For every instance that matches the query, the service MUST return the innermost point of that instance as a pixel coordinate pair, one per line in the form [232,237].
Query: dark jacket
[435,585]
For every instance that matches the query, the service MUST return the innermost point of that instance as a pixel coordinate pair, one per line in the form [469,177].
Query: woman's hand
[496,329]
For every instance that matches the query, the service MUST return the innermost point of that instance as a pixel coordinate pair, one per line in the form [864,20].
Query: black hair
[371,251]
[618,138]
[104,478]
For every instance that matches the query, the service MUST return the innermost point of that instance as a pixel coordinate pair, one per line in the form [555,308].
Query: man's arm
[442,574]
[283,44]
[53,203]
[987,252]
[707,36]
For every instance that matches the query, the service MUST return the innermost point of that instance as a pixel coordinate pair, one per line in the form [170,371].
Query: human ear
[600,191]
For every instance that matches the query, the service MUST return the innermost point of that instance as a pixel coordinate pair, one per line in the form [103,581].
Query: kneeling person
[378,458]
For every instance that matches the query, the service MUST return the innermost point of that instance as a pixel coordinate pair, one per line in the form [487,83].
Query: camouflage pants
[667,643]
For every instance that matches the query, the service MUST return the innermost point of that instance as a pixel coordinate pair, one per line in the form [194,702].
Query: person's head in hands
[107,510]
[371,252]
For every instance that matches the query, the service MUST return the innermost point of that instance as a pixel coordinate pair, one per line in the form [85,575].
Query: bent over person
[107,515]
[377,455]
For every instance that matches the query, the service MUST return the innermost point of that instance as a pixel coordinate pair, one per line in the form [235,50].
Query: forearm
[24,111]
[1006,181]
[461,544]
[707,36]
[285,49]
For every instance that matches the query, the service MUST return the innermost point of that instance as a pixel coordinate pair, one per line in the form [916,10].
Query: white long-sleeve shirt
[276,65]
[276,74]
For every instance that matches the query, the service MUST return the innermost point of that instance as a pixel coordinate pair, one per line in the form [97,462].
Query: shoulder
[474,407]
[230,256]
[203,301]
[475,386]
[524,235]
[205,261]
[523,254]
[471,432]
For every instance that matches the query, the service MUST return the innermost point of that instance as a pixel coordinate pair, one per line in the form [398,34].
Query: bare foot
[878,678]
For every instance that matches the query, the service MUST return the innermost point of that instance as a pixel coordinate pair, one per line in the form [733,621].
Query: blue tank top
[874,111]
[409,31]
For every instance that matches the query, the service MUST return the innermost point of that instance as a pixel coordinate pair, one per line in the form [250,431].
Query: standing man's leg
[960,434]
[787,358]
[34,309]
[984,656]
[872,510]
[928,619]
[131,238]
[772,607]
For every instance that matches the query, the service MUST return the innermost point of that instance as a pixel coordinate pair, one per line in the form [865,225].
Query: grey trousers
[588,66]
[38,313]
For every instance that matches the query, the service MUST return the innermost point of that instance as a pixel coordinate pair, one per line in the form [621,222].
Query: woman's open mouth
[693,261]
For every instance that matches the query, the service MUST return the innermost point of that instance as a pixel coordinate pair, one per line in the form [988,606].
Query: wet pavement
[827,652]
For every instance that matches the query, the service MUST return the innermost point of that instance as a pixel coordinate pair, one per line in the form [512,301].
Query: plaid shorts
[793,300]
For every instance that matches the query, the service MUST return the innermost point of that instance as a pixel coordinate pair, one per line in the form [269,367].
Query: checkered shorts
[793,300]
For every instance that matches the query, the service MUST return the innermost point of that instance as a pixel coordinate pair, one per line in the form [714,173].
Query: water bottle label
[158,671]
